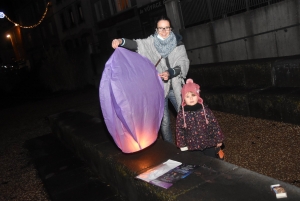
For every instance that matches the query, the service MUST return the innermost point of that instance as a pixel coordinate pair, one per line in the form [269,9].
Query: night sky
[6,6]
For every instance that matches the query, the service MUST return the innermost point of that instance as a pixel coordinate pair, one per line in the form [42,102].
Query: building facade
[121,19]
[83,29]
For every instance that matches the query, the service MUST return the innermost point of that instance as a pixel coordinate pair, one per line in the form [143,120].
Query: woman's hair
[163,17]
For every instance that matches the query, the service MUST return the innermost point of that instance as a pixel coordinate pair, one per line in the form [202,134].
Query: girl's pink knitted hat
[190,86]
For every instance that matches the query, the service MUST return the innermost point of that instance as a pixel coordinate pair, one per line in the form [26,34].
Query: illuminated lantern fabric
[132,100]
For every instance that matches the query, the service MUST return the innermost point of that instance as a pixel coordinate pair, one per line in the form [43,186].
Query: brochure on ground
[167,173]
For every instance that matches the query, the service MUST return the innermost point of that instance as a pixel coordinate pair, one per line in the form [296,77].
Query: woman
[165,50]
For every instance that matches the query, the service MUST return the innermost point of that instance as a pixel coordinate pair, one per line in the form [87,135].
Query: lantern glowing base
[130,145]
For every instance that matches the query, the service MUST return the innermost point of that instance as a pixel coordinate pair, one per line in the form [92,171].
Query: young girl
[196,126]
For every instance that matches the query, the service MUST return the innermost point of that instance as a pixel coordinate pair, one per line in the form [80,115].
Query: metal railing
[197,12]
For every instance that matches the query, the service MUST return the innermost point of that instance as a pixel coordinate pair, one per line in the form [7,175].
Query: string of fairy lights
[31,26]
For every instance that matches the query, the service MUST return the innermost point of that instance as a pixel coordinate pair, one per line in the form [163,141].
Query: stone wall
[268,88]
[266,32]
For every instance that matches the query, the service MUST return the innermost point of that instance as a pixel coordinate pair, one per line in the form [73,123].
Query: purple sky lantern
[132,100]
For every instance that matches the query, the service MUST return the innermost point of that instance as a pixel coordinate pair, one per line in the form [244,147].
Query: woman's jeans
[165,124]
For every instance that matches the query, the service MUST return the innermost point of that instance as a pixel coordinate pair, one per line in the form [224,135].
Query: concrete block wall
[268,89]
[266,32]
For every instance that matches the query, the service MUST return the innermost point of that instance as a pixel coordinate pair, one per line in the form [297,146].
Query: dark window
[122,5]
[102,9]
[72,20]
[63,21]
[80,13]
[114,7]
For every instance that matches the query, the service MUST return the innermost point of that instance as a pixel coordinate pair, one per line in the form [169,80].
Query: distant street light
[9,36]
[12,42]
[14,34]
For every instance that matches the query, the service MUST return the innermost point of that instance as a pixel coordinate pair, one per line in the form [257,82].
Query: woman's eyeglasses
[160,29]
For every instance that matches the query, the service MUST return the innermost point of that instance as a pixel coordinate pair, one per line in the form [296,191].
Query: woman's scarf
[166,46]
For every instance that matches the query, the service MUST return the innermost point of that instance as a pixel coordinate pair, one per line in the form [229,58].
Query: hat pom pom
[189,81]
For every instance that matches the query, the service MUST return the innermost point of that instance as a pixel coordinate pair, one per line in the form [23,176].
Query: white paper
[184,148]
[159,170]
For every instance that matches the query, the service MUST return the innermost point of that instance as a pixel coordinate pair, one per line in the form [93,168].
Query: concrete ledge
[87,136]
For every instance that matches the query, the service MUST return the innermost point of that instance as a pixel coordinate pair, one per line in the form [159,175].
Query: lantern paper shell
[132,100]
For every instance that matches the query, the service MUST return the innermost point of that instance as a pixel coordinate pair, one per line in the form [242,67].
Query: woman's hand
[165,75]
[219,144]
[115,43]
